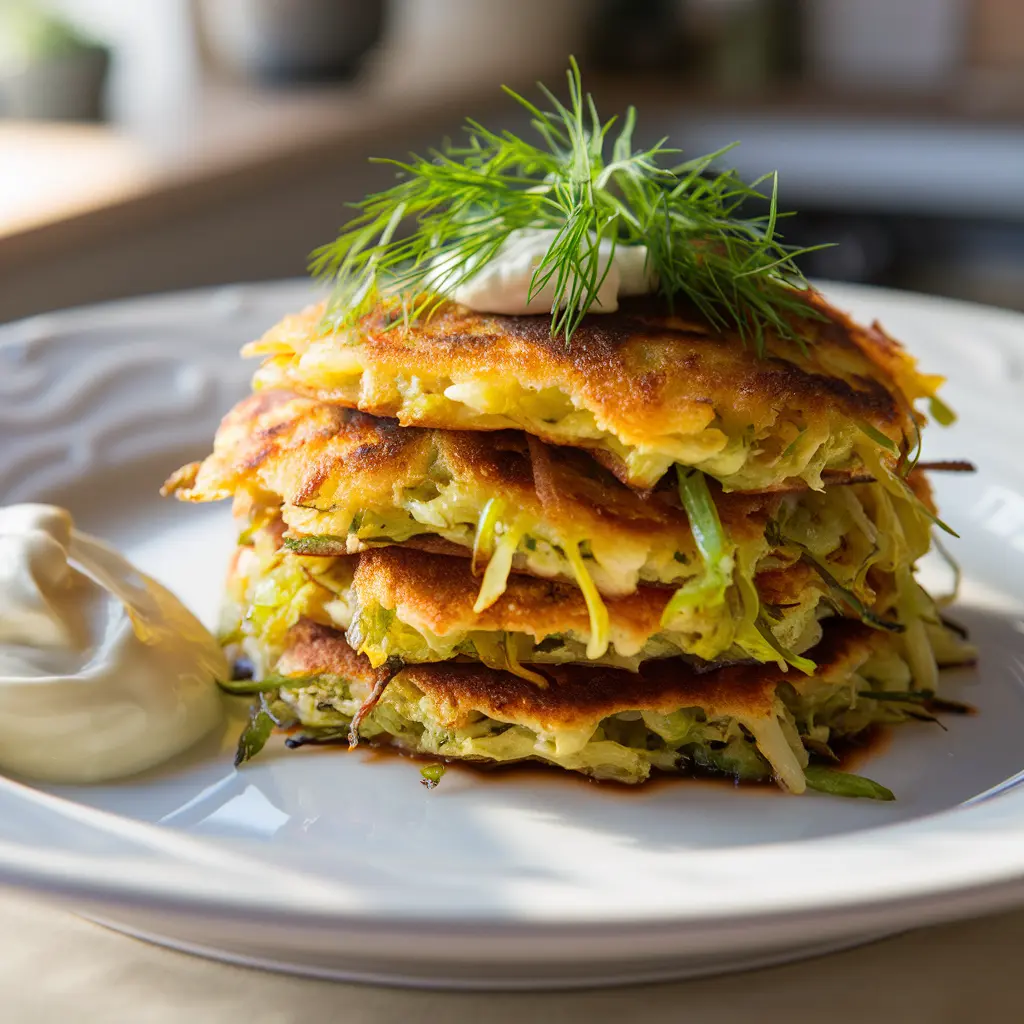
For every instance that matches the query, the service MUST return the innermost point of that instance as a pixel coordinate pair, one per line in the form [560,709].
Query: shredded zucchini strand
[599,625]
[715,550]
[879,438]
[764,629]
[840,783]
[500,565]
[754,633]
[848,597]
[703,515]
[483,543]
[516,667]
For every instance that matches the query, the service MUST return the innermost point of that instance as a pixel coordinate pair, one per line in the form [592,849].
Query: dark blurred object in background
[896,126]
[637,35]
[48,69]
[743,46]
[292,40]
[730,46]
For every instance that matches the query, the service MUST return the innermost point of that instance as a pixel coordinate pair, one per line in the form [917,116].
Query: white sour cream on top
[103,672]
[502,285]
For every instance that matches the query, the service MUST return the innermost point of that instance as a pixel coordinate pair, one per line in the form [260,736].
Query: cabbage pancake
[751,721]
[402,603]
[641,388]
[346,481]
[419,607]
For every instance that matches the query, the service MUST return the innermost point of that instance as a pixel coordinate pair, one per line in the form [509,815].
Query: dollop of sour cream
[103,672]
[502,284]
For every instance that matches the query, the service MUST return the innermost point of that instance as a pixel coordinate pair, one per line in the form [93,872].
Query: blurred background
[164,144]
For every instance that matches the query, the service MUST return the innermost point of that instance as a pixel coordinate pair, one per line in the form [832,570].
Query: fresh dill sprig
[463,201]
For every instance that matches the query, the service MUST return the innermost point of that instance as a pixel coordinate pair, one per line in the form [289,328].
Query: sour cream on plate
[103,672]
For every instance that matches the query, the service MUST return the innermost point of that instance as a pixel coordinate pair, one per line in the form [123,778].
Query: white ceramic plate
[343,865]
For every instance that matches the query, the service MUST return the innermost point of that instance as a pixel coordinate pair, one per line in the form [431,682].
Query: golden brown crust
[581,694]
[783,587]
[315,649]
[316,456]
[437,593]
[643,372]
[296,447]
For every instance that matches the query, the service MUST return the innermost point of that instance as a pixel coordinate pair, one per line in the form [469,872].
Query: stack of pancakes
[650,547]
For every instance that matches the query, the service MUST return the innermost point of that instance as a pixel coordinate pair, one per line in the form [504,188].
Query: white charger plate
[342,865]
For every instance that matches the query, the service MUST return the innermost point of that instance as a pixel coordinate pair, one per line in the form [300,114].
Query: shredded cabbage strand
[754,633]
[899,487]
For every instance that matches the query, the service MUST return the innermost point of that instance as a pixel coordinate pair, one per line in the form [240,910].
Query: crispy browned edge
[321,443]
[579,693]
[441,592]
[643,366]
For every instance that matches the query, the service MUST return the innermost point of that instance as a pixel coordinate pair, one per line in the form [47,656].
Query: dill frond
[459,204]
